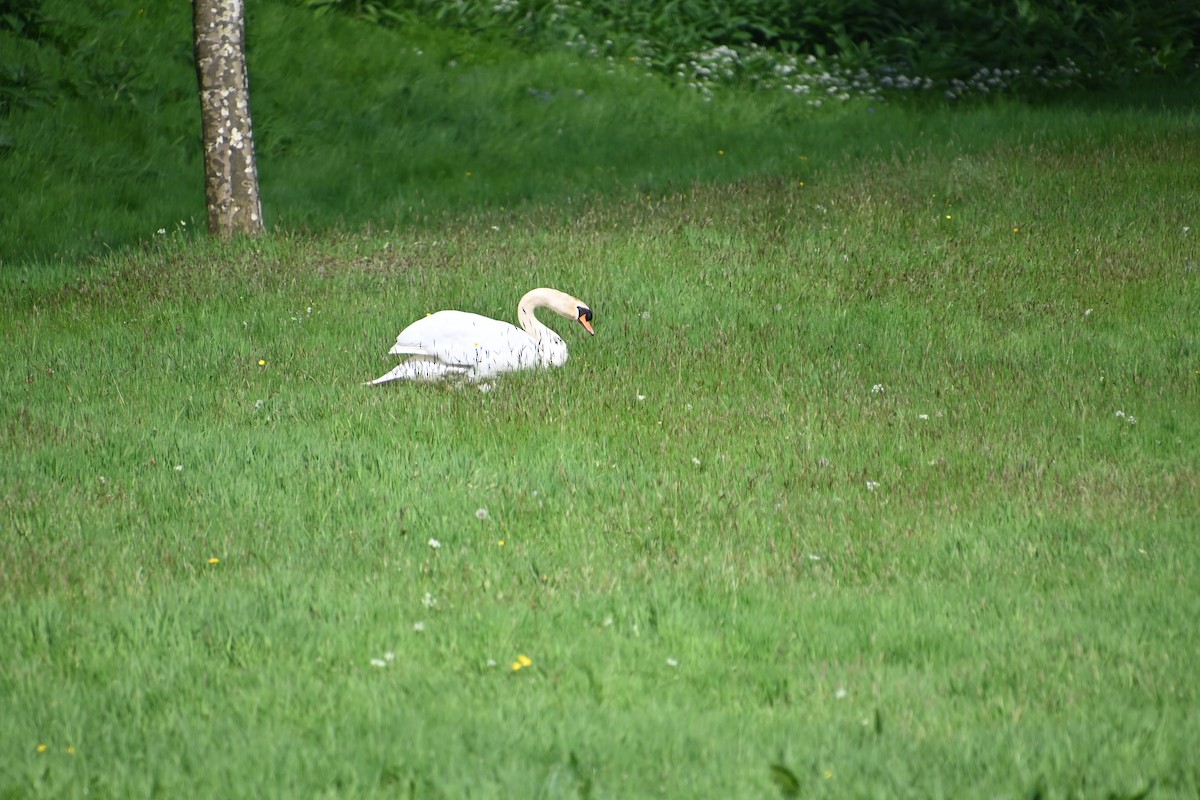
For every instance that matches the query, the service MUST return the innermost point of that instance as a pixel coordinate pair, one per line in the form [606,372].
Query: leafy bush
[23,17]
[955,44]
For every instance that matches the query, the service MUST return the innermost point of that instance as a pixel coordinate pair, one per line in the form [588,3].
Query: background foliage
[394,113]
[942,39]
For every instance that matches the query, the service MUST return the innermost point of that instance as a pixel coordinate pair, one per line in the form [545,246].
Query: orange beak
[584,322]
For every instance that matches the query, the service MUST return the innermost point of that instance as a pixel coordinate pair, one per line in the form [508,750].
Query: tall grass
[878,480]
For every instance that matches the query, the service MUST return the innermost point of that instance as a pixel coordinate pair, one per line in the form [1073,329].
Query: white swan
[458,344]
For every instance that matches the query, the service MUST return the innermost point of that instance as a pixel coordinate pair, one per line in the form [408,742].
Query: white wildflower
[435,544]
[481,513]
[872,485]
[840,694]
[419,627]
[429,601]
[378,662]
[672,662]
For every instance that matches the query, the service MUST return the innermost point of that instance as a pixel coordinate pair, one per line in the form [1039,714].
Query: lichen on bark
[230,173]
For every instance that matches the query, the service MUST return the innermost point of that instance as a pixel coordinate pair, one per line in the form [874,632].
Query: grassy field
[883,483]
[881,477]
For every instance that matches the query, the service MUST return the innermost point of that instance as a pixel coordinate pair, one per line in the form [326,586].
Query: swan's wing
[468,340]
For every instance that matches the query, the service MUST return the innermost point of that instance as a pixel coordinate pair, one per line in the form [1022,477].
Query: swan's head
[585,318]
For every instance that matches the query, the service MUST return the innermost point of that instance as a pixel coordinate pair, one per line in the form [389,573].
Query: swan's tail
[395,375]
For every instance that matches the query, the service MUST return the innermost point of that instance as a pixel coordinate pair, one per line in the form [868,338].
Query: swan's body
[461,345]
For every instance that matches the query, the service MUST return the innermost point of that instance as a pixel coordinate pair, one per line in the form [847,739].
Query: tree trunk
[230,173]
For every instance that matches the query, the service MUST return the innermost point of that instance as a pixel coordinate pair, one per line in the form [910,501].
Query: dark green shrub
[949,41]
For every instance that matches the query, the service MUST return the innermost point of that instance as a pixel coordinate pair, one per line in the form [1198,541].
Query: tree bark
[230,172]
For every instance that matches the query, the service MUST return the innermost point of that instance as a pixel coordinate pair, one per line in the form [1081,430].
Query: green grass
[723,549]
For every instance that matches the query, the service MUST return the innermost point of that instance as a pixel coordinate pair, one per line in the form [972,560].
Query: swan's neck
[540,298]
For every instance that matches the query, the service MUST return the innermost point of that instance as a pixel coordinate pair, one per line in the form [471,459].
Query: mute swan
[458,344]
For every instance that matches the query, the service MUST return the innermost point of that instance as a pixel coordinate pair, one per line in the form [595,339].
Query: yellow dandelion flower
[214,560]
[524,660]
[1016,230]
[502,543]
[949,217]
[41,748]
[516,666]
[262,362]
[70,750]
[828,773]
[720,152]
